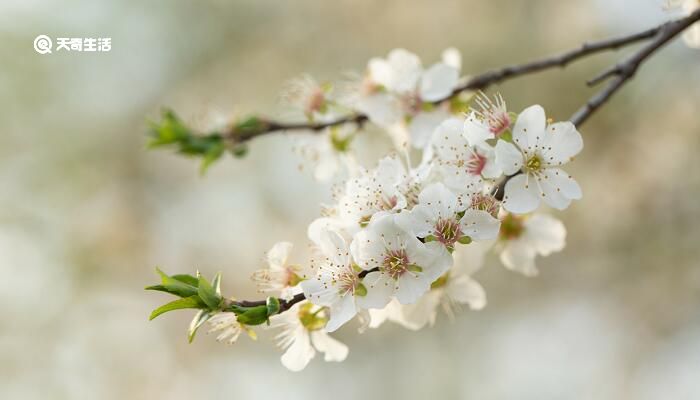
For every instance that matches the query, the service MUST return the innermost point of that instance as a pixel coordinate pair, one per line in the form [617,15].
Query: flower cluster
[403,240]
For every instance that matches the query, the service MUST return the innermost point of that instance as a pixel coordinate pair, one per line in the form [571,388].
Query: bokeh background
[86,212]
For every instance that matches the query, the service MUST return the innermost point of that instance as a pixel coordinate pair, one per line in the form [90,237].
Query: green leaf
[198,320]
[169,130]
[178,285]
[273,305]
[216,283]
[239,150]
[208,294]
[179,304]
[212,154]
[250,125]
[252,315]
[186,278]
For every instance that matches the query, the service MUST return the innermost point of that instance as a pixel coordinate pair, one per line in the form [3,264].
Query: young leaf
[273,305]
[186,278]
[175,286]
[253,316]
[210,156]
[179,304]
[216,283]
[198,320]
[208,294]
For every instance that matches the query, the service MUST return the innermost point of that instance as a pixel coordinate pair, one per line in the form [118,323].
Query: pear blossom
[280,276]
[306,94]
[397,88]
[400,265]
[227,327]
[537,151]
[328,153]
[337,284]
[373,191]
[462,166]
[490,121]
[302,336]
[454,288]
[446,218]
[522,237]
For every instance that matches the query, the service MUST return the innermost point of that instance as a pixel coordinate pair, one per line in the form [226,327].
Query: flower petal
[476,131]
[565,184]
[508,157]
[479,225]
[406,70]
[419,220]
[411,286]
[521,195]
[545,234]
[448,141]
[300,352]
[562,142]
[466,290]
[381,108]
[380,288]
[423,125]
[333,349]
[438,82]
[416,316]
[440,199]
[341,312]
[530,128]
[278,254]
[452,57]
[433,258]
[518,256]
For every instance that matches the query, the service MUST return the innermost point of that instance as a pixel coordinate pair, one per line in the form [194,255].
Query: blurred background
[86,213]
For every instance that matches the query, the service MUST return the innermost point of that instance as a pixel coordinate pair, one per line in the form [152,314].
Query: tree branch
[625,70]
[620,74]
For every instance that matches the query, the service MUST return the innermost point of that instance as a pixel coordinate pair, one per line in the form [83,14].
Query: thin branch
[625,70]
[620,74]
[477,82]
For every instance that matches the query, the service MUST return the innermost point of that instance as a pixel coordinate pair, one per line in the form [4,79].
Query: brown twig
[625,70]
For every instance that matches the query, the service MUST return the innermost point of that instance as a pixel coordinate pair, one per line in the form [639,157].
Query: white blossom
[302,336]
[306,94]
[537,151]
[453,289]
[397,90]
[447,218]
[280,277]
[523,237]
[462,167]
[337,284]
[373,191]
[488,122]
[400,264]
[328,153]
[227,327]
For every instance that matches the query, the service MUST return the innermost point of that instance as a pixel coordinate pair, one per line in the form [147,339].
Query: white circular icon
[43,44]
